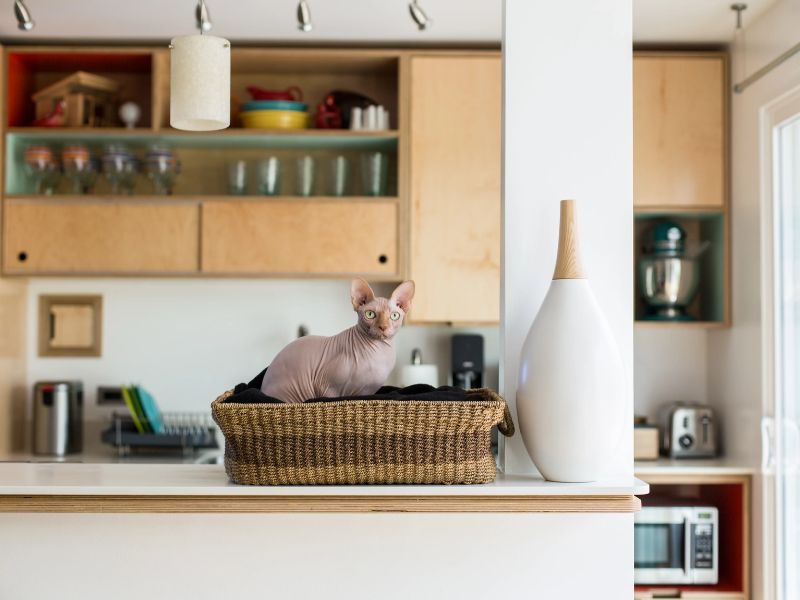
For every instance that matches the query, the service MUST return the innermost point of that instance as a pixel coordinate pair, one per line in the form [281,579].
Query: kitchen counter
[80,487]
[692,466]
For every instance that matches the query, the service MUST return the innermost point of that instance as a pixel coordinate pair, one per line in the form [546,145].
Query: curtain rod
[748,81]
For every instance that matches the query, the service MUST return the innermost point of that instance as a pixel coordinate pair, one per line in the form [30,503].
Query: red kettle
[292,93]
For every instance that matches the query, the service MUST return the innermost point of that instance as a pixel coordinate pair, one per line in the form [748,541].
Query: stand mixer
[669,275]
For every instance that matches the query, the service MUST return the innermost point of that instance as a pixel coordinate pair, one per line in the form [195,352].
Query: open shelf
[235,137]
[709,309]
[32,70]
[196,198]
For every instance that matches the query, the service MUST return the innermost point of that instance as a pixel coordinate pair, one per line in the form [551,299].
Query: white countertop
[42,478]
[693,466]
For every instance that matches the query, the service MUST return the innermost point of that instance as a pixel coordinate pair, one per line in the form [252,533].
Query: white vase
[571,391]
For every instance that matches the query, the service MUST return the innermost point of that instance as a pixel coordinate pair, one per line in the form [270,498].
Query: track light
[24,21]
[304,16]
[203,17]
[419,16]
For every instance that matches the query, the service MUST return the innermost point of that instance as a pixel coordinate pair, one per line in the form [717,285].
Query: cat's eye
[394,316]
[370,314]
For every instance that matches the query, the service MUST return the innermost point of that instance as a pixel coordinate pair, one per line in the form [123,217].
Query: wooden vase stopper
[568,260]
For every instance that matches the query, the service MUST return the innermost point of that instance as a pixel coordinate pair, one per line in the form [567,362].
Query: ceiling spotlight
[304,16]
[24,21]
[203,17]
[419,16]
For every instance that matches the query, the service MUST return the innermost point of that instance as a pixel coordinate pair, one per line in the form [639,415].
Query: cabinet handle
[383,259]
[22,256]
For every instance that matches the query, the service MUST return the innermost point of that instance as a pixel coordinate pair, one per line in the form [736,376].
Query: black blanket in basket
[250,393]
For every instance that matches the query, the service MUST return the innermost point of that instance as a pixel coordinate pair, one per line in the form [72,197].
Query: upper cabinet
[455,175]
[680,125]
[284,191]
[680,130]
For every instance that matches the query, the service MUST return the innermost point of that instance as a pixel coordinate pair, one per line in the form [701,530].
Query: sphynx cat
[355,362]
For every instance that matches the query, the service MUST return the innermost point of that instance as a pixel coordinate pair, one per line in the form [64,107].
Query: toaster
[688,431]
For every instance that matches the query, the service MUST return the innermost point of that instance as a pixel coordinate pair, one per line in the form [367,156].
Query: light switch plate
[70,325]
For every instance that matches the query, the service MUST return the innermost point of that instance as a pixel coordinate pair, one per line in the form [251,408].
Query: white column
[568,134]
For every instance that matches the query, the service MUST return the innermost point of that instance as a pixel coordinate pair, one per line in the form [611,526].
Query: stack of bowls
[275,114]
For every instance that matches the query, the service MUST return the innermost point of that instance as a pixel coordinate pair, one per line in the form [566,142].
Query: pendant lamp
[200,82]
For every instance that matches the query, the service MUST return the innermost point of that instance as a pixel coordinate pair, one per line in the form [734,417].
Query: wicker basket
[362,441]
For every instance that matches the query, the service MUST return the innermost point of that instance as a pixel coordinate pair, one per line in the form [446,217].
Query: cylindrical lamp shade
[200,83]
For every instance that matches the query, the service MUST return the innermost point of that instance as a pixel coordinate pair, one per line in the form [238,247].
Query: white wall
[670,365]
[568,134]
[189,340]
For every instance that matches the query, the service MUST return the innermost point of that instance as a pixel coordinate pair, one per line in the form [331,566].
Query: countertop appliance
[676,545]
[668,275]
[467,352]
[57,417]
[688,431]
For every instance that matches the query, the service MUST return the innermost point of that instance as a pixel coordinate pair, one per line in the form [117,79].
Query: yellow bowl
[275,119]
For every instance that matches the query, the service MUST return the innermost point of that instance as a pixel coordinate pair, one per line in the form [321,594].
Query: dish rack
[182,432]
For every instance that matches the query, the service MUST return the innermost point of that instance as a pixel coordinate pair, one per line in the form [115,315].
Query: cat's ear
[360,293]
[403,294]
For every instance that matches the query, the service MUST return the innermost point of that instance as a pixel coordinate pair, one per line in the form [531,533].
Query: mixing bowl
[668,285]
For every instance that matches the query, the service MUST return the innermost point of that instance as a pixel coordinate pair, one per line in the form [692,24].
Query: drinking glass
[374,172]
[237,177]
[129,175]
[79,167]
[162,167]
[116,160]
[269,176]
[305,175]
[339,174]
[42,167]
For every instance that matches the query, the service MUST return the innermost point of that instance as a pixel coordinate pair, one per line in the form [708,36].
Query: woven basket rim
[494,397]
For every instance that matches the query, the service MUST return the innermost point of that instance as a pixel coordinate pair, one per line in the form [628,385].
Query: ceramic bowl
[275,119]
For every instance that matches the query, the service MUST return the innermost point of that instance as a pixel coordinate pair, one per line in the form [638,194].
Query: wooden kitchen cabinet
[455,175]
[93,237]
[301,238]
[680,130]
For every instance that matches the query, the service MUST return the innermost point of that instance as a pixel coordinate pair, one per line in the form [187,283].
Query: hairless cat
[355,362]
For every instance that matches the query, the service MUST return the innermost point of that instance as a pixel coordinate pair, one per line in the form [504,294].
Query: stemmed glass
[42,166]
[79,167]
[117,161]
[162,167]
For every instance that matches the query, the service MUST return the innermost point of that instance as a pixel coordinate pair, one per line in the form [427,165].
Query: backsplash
[189,340]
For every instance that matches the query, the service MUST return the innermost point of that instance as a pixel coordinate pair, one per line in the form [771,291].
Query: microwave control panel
[702,545]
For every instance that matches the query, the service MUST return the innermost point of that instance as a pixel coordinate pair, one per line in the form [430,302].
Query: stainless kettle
[57,417]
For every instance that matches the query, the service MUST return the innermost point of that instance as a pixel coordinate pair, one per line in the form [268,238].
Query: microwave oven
[676,545]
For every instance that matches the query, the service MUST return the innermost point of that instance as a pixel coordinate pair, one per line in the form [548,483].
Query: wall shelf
[190,198]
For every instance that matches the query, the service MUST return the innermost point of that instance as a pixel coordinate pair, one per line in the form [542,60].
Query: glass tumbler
[237,178]
[374,173]
[269,176]
[305,175]
[339,175]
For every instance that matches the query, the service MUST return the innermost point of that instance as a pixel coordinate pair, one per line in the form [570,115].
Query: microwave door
[660,547]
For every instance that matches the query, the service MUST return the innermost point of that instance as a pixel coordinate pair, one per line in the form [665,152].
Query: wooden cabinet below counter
[91,237]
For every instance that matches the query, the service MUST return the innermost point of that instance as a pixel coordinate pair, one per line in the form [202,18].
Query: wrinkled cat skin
[355,362]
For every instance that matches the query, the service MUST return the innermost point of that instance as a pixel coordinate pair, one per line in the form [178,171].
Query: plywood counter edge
[69,503]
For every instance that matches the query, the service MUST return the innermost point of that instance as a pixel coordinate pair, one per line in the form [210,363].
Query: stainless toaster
[688,431]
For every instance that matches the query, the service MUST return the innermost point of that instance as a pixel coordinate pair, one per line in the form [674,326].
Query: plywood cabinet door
[679,127]
[94,237]
[455,174]
[300,238]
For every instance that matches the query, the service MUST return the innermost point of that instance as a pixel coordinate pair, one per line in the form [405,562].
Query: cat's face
[381,318]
